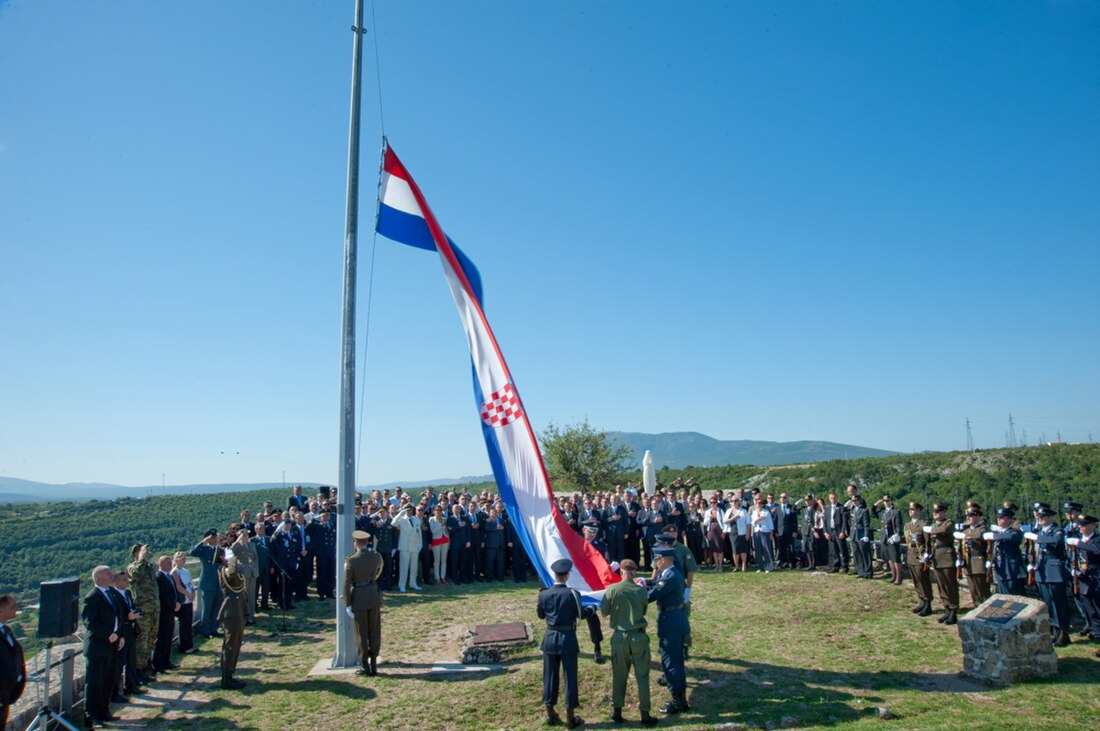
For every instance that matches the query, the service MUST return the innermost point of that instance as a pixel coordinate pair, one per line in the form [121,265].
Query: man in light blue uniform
[672,626]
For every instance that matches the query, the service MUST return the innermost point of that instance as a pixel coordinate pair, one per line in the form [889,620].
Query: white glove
[615,566]
[960,563]
[1031,536]
[988,565]
[988,535]
[895,539]
[1030,567]
[927,529]
[350,613]
[1072,541]
[959,535]
[996,528]
[687,594]
[925,557]
[960,526]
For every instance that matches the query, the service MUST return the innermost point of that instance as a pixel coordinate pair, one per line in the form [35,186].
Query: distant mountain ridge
[688,448]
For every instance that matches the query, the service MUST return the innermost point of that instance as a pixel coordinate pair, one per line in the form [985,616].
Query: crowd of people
[456,537]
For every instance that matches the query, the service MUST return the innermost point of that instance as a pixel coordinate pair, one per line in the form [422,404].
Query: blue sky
[857,222]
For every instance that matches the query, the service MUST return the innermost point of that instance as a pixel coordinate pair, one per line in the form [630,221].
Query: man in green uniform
[232,615]
[363,601]
[942,534]
[976,557]
[624,605]
[917,556]
[143,585]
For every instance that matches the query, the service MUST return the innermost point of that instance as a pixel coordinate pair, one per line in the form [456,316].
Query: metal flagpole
[346,652]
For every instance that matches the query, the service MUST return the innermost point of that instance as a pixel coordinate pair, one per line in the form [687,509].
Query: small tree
[581,458]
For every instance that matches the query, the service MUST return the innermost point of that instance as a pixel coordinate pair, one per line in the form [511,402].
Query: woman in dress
[715,527]
[440,542]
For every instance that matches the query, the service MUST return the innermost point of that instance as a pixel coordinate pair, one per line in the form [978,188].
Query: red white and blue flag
[404,216]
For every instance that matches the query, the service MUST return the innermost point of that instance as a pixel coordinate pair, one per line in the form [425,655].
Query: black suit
[102,619]
[836,522]
[162,650]
[127,659]
[786,525]
[13,673]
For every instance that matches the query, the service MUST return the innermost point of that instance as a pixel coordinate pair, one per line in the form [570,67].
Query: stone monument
[1007,639]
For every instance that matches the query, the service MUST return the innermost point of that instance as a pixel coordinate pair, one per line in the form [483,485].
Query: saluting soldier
[1008,561]
[1050,572]
[891,538]
[595,629]
[917,557]
[143,586]
[1087,550]
[624,604]
[363,601]
[232,616]
[977,557]
[561,607]
[672,626]
[942,533]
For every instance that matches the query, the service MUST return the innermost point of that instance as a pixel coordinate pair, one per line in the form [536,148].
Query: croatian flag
[404,216]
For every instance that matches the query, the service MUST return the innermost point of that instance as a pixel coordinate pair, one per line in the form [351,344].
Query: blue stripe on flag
[404,228]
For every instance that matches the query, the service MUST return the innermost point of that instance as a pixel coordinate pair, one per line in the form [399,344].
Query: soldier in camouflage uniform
[143,585]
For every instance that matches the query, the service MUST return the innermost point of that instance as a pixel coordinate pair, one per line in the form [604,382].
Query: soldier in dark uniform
[595,628]
[284,559]
[1050,572]
[382,531]
[942,533]
[1008,561]
[891,537]
[918,557]
[976,556]
[232,616]
[323,544]
[561,607]
[363,601]
[672,626]
[1086,551]
[1071,530]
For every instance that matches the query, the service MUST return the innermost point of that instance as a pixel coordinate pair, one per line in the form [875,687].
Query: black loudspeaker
[326,492]
[59,607]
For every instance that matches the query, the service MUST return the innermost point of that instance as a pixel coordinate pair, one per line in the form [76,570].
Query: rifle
[961,542]
[1076,573]
[1032,557]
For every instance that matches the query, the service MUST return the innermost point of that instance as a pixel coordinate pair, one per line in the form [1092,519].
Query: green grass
[825,650]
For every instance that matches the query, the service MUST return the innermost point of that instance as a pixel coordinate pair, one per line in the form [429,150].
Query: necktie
[8,636]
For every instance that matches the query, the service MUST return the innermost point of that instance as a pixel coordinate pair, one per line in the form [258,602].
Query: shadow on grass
[345,688]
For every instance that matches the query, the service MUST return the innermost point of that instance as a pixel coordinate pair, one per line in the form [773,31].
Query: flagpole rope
[373,246]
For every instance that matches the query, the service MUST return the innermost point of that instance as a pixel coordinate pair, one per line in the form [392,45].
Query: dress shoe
[671,707]
[926,610]
[952,617]
[648,720]
[617,716]
[572,720]
[414,587]
[1062,639]
[136,690]
[916,609]
[232,684]
[362,671]
[552,717]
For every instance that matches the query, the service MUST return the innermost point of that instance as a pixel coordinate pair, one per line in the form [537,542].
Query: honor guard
[595,629]
[624,604]
[561,607]
[672,626]
[363,601]
[1071,529]
[1050,572]
[918,557]
[944,557]
[232,617]
[1085,551]
[1009,567]
[976,555]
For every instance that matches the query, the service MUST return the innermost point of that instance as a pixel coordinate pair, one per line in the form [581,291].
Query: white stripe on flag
[397,194]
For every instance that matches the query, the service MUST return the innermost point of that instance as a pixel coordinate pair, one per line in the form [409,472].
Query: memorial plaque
[1000,610]
[487,634]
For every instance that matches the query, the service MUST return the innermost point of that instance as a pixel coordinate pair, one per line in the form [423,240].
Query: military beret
[663,540]
[1086,520]
[562,566]
[1072,506]
[628,565]
[138,546]
[1006,513]
[664,551]
[915,506]
[939,508]
[591,524]
[1045,512]
[360,535]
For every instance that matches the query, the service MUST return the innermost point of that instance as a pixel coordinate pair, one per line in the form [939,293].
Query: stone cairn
[1007,639]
